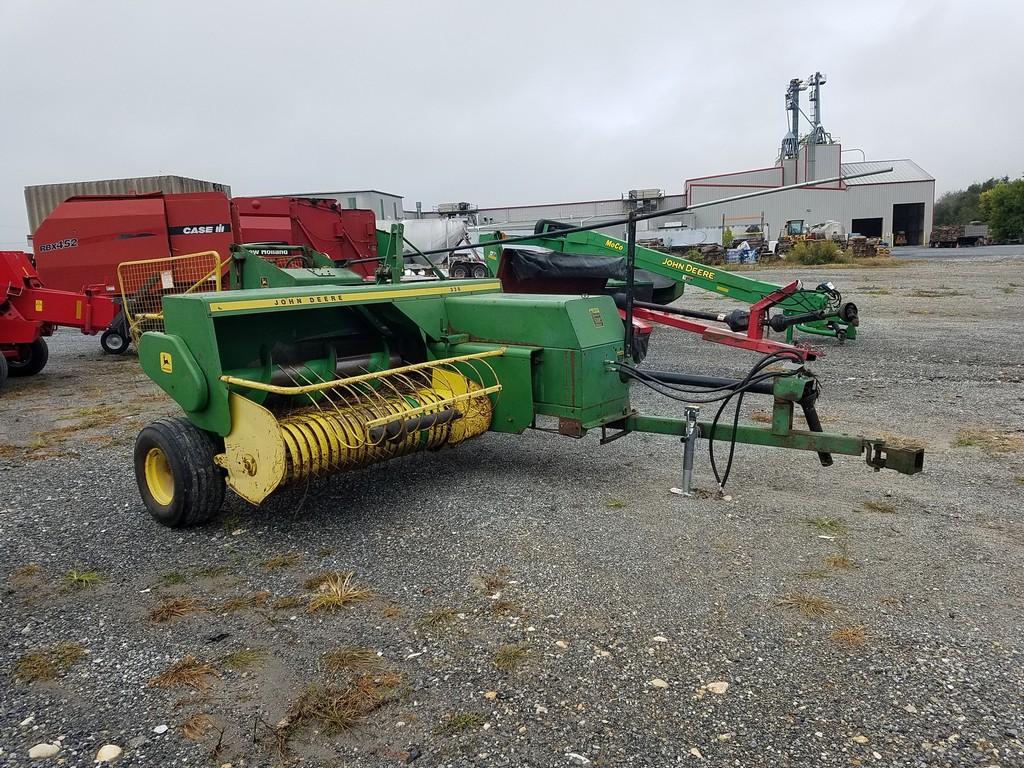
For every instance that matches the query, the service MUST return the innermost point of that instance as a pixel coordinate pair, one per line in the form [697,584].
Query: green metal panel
[168,362]
[577,338]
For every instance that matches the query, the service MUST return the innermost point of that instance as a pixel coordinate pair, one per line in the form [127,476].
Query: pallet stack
[867,247]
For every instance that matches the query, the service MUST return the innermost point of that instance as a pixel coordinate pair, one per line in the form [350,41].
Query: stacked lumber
[867,247]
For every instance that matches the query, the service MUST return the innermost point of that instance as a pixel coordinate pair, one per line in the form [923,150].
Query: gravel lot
[633,607]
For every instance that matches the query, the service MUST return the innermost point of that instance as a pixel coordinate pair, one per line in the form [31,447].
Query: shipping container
[41,199]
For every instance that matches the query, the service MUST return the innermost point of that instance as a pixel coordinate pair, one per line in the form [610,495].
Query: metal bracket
[689,441]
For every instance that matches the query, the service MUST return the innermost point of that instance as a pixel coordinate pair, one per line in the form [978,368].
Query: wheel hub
[159,478]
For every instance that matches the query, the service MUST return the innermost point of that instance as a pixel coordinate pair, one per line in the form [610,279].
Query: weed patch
[48,663]
[351,659]
[189,672]
[460,723]
[82,579]
[243,659]
[840,563]
[831,525]
[489,583]
[809,605]
[508,658]
[849,637]
[196,727]
[243,602]
[439,618]
[173,608]
[277,562]
[880,506]
[991,441]
[336,590]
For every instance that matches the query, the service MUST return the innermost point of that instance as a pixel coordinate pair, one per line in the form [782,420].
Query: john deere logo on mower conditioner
[166,362]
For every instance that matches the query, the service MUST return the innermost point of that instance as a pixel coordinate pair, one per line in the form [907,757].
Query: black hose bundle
[723,394]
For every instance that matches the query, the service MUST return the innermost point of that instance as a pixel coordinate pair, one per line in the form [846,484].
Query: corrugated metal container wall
[41,199]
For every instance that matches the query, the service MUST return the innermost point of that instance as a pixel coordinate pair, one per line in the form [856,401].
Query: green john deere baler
[321,372]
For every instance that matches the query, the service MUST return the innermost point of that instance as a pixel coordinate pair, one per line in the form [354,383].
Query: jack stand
[689,448]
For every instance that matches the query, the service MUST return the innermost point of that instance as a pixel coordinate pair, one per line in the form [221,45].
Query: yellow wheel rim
[159,479]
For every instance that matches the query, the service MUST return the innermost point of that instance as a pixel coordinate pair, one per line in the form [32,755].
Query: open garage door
[867,227]
[908,218]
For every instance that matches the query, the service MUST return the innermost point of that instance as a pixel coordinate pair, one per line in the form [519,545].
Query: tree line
[997,202]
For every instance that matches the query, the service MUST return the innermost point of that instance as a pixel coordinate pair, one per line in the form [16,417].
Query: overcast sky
[492,102]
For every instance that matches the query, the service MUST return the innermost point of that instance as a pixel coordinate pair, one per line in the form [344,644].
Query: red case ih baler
[85,238]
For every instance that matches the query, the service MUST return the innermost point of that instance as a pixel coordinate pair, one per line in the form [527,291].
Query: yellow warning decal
[39,305]
[330,299]
[166,362]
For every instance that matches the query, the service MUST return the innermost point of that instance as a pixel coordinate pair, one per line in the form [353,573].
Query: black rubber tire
[32,360]
[198,482]
[113,342]
[3,369]
[459,272]
[479,271]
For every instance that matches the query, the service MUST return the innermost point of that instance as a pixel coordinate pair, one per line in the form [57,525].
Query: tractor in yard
[305,370]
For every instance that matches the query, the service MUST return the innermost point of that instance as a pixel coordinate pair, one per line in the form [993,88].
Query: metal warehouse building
[895,206]
[898,201]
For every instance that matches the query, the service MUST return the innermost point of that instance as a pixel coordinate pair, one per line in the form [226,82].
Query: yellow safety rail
[320,386]
[144,284]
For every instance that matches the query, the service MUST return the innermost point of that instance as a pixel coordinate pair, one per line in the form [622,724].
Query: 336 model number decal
[70,242]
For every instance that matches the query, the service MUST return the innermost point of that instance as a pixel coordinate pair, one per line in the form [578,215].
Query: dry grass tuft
[213,571]
[439,618]
[172,578]
[351,658]
[990,441]
[392,611]
[244,658]
[286,603]
[26,571]
[510,657]
[489,583]
[242,602]
[841,563]
[831,525]
[615,503]
[189,672]
[48,663]
[456,724]
[506,607]
[335,708]
[173,608]
[196,727]
[809,605]
[850,637]
[82,579]
[286,560]
[880,506]
[335,591]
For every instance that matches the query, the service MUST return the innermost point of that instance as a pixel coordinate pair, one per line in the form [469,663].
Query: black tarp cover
[531,264]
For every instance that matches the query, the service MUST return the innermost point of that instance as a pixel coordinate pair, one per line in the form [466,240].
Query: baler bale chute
[321,373]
